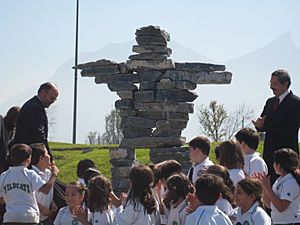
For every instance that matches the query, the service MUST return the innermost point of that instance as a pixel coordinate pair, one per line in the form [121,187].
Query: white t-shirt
[254,164]
[208,215]
[43,199]
[224,205]
[65,217]
[199,168]
[287,188]
[178,215]
[104,218]
[17,187]
[254,216]
[236,175]
[135,216]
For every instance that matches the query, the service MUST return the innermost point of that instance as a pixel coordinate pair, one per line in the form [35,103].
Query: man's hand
[259,122]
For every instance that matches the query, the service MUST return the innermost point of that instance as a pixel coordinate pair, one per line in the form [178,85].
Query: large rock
[124,104]
[128,77]
[144,96]
[166,133]
[137,122]
[140,65]
[125,94]
[124,112]
[121,86]
[171,124]
[131,132]
[199,67]
[99,71]
[121,153]
[148,56]
[203,77]
[100,62]
[152,31]
[153,75]
[152,142]
[148,85]
[181,107]
[152,115]
[175,95]
[152,49]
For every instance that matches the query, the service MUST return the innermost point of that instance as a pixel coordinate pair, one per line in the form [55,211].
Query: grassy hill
[67,156]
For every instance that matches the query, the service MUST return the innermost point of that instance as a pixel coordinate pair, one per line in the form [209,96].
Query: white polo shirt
[236,175]
[254,164]
[224,205]
[17,186]
[208,215]
[178,215]
[287,188]
[199,168]
[65,217]
[104,218]
[254,216]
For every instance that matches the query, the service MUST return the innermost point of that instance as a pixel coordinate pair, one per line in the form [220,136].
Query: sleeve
[261,219]
[258,165]
[57,220]
[290,190]
[36,180]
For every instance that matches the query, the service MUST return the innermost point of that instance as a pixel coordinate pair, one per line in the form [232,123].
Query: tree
[218,124]
[92,138]
[212,119]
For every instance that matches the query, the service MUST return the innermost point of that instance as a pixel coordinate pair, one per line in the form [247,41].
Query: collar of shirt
[281,97]
[250,211]
[37,170]
[195,164]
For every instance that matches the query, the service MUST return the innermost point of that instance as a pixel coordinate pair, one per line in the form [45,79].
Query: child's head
[89,174]
[83,165]
[208,189]
[99,188]
[287,159]
[231,155]
[20,154]
[141,178]
[248,137]
[178,186]
[199,148]
[74,194]
[248,191]
[165,169]
[40,155]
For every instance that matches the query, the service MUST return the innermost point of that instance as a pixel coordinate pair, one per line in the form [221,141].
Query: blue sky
[37,36]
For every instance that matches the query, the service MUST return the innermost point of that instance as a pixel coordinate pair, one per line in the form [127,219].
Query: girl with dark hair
[232,158]
[140,207]
[10,122]
[284,196]
[226,201]
[248,197]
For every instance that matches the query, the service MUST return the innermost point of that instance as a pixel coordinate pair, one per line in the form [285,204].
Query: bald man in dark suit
[280,119]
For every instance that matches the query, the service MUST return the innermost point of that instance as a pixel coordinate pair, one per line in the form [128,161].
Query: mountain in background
[251,74]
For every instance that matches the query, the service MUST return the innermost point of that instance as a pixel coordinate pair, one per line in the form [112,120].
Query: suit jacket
[32,124]
[3,146]
[281,126]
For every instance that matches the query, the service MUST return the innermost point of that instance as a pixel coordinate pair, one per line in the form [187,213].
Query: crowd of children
[236,190]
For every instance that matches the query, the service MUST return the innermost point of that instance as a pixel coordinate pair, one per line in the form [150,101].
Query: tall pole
[75,76]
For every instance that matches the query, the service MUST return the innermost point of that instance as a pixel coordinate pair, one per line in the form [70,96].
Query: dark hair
[83,165]
[79,186]
[217,153]
[89,174]
[99,189]
[46,86]
[252,186]
[38,150]
[10,119]
[202,143]
[19,153]
[283,76]
[288,161]
[208,188]
[141,178]
[178,186]
[223,172]
[249,136]
[166,168]
[231,155]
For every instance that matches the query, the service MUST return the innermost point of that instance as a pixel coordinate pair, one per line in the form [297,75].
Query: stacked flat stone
[155,99]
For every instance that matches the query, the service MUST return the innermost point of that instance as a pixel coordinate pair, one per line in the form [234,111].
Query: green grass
[67,160]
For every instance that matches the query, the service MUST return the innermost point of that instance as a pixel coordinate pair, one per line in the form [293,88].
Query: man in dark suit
[280,119]
[32,123]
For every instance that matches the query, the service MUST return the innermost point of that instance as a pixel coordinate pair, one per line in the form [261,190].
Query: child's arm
[47,187]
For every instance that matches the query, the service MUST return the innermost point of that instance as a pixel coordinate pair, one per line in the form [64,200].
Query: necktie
[191,174]
[275,104]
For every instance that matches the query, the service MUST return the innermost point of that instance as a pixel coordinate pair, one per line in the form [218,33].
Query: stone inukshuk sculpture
[155,100]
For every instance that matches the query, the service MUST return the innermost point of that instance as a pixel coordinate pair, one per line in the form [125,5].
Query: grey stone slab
[178,156]
[121,86]
[185,85]
[176,95]
[120,182]
[144,96]
[124,104]
[152,31]
[123,67]
[128,77]
[147,85]
[121,162]
[151,115]
[131,132]
[140,65]
[152,142]
[171,124]
[122,153]
[101,62]
[99,71]
[151,49]
[153,75]
[166,133]
[203,77]
[181,107]
[166,84]
[125,94]
[199,67]
[177,116]
[137,122]
[151,40]
[148,56]
[120,171]
[172,149]
[127,112]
